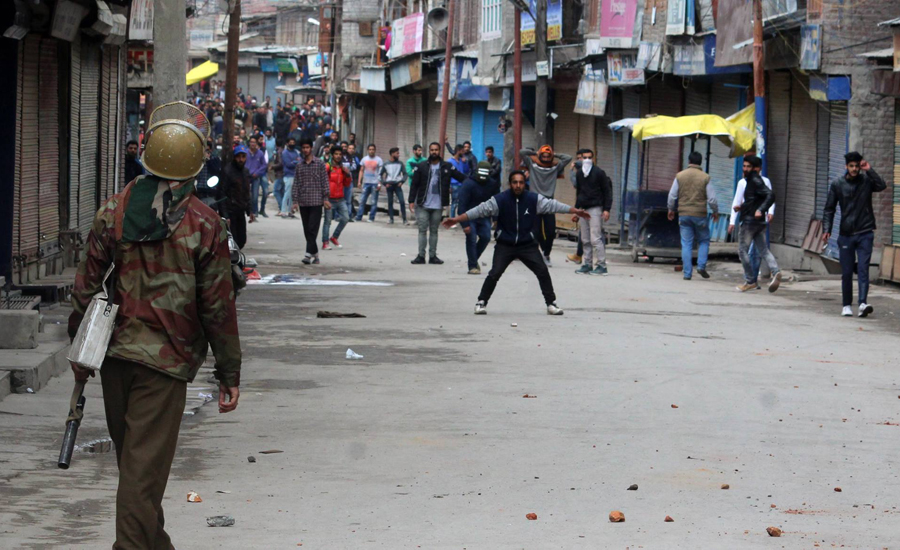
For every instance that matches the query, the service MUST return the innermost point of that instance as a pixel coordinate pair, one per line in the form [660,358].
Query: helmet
[176,141]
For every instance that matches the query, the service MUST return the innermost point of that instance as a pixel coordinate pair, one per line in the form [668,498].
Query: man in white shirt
[755,259]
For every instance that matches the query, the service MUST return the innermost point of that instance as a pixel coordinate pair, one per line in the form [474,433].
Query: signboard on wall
[623,69]
[201,37]
[406,35]
[462,87]
[592,93]
[529,68]
[554,22]
[139,67]
[620,24]
[810,47]
[675,17]
[140,25]
[67,19]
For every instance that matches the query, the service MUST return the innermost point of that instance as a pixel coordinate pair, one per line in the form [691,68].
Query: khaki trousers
[143,412]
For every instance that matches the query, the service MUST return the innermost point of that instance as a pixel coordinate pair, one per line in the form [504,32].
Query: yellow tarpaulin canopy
[735,131]
[201,72]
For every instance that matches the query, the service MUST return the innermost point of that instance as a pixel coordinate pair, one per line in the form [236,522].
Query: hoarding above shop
[620,23]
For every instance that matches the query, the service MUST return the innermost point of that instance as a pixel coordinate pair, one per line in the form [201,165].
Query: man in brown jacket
[693,192]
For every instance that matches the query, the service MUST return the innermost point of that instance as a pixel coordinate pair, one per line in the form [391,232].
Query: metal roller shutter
[664,159]
[434,120]
[631,108]
[800,203]
[74,131]
[408,124]
[463,124]
[492,135]
[48,177]
[725,102]
[837,148]
[89,135]
[121,87]
[605,150]
[777,146]
[107,156]
[385,125]
[823,116]
[565,140]
[26,210]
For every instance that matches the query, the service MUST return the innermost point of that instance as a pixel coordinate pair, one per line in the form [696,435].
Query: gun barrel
[68,443]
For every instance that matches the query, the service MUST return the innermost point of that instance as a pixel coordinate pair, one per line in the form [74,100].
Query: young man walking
[517,212]
[755,259]
[495,162]
[257,166]
[393,175]
[369,182]
[544,167]
[290,158]
[339,183]
[474,191]
[693,192]
[310,195]
[853,192]
[757,200]
[429,193]
[352,162]
[462,165]
[235,190]
[594,195]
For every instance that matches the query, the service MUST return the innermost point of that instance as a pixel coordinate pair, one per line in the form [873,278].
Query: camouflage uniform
[176,299]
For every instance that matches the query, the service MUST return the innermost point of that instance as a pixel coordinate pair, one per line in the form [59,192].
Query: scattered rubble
[220,521]
[633,487]
[669,519]
[773,531]
[193,497]
[532,516]
[616,517]
[726,486]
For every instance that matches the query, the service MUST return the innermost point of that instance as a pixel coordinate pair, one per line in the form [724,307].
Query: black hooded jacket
[855,197]
[757,198]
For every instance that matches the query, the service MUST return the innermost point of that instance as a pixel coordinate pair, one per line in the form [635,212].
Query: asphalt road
[678,387]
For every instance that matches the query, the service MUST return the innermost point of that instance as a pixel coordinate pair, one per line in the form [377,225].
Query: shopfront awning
[201,72]
[733,131]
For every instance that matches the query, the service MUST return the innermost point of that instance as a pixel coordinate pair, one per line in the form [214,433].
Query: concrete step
[21,370]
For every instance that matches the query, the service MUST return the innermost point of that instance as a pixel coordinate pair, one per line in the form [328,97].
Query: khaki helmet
[176,141]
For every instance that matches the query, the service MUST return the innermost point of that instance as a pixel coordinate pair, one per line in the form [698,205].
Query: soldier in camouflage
[176,300]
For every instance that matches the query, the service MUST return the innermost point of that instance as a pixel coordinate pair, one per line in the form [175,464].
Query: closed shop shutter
[48,126]
[725,102]
[89,135]
[26,213]
[896,232]
[408,133]
[271,82]
[434,120]
[463,124]
[837,148]
[565,140]
[631,108]
[606,149]
[777,146]
[492,135]
[800,203]
[823,117]
[74,131]
[385,124]
[106,152]
[664,158]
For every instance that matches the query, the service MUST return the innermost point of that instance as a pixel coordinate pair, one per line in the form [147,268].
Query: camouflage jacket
[175,295]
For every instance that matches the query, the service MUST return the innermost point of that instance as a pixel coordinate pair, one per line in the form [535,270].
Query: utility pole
[759,84]
[231,73]
[169,51]
[517,89]
[448,56]
[540,90]
[334,63]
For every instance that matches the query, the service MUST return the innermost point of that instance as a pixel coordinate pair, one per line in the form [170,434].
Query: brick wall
[352,43]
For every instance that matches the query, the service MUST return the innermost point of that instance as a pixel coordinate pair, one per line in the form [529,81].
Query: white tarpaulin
[592,93]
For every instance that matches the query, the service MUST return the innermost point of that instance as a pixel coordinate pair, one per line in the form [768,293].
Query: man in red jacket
[339,183]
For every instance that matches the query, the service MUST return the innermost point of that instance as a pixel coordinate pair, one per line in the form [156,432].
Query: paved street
[678,387]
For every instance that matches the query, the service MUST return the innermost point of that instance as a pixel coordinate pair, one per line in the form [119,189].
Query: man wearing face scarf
[171,279]
[544,168]
[594,195]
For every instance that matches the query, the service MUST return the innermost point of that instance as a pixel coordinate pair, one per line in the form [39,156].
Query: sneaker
[307,259]
[775,282]
[391,222]
[600,270]
[865,309]
[847,311]
[687,278]
[547,261]
[326,246]
[263,214]
[435,260]
[553,309]
[316,259]
[702,272]
[480,308]
[748,286]
[335,242]
[405,222]
[369,220]
[574,258]
[583,270]
[352,219]
[475,271]
[418,260]
[291,215]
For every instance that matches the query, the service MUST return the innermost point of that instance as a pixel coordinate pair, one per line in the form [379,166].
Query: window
[490,19]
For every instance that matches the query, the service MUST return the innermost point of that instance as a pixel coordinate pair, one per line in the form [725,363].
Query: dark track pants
[528,254]
[312,219]
[143,412]
[856,254]
[545,232]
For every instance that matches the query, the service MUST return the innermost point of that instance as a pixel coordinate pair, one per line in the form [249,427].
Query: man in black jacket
[757,200]
[429,193]
[594,195]
[475,190]
[235,189]
[853,191]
